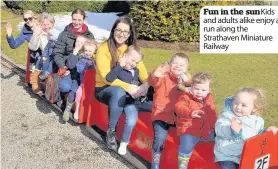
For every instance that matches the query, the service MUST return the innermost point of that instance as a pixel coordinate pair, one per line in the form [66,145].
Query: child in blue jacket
[78,64]
[238,121]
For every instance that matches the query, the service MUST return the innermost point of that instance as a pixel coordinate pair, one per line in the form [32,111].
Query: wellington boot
[35,83]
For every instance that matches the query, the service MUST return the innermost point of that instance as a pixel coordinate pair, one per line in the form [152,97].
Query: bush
[173,21]
[55,6]
[167,20]
[19,7]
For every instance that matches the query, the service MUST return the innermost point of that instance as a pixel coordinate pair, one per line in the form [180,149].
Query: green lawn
[229,71]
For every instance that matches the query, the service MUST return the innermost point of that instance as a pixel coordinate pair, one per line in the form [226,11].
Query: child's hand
[273,129]
[235,125]
[90,63]
[67,73]
[122,61]
[162,70]
[43,59]
[197,113]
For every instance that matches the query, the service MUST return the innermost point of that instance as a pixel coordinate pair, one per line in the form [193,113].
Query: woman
[65,46]
[26,32]
[114,94]
[44,36]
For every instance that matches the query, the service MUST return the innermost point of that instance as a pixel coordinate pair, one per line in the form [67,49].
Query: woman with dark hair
[65,46]
[114,94]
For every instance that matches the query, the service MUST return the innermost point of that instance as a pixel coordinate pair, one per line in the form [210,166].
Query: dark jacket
[25,34]
[122,74]
[83,64]
[65,45]
[78,65]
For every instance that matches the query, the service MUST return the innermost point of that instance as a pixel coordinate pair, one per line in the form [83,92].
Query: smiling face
[77,21]
[89,50]
[200,91]
[243,104]
[121,33]
[29,20]
[47,25]
[178,66]
[132,59]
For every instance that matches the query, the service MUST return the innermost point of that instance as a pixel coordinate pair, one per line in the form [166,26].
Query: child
[82,65]
[127,71]
[196,116]
[238,121]
[165,81]
[71,73]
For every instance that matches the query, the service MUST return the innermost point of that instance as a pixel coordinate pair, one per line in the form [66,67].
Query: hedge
[173,21]
[19,7]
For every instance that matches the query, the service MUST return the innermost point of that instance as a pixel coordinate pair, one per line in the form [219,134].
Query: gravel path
[34,137]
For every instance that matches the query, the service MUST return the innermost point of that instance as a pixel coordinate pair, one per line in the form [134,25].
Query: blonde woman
[26,32]
[42,44]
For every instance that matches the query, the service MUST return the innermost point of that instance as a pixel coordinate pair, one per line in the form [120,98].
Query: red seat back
[87,94]
[260,152]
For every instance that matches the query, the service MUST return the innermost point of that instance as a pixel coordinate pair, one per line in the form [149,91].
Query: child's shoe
[155,160]
[122,148]
[66,115]
[111,139]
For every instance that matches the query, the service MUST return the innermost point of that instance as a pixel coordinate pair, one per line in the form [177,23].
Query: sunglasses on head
[26,19]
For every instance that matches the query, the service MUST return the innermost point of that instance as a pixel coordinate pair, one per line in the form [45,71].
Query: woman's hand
[162,70]
[133,90]
[38,30]
[273,129]
[235,125]
[9,29]
[143,89]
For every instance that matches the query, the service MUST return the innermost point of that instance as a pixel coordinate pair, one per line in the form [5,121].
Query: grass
[229,71]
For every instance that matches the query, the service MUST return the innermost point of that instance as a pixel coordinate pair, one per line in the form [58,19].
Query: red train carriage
[260,152]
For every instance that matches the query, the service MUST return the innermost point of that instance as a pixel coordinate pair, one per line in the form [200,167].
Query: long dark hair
[130,41]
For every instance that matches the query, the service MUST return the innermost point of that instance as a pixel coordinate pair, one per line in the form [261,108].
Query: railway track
[131,157]
[6,63]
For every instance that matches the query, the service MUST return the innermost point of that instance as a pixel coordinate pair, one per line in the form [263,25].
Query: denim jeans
[160,129]
[115,98]
[39,63]
[47,66]
[131,116]
[228,165]
[67,85]
[187,144]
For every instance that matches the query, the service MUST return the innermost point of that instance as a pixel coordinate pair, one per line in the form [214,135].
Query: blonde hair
[29,12]
[180,55]
[201,78]
[46,15]
[259,98]
[134,48]
[90,42]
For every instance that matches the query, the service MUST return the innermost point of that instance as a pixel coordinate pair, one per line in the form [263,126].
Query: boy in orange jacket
[196,117]
[165,81]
